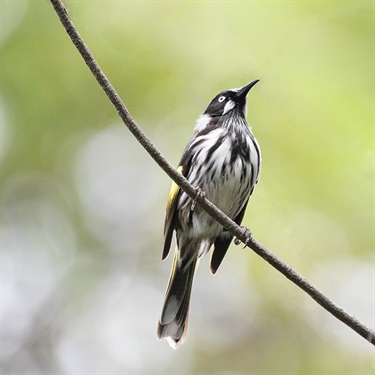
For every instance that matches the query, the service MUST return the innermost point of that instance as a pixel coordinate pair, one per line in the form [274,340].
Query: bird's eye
[221,99]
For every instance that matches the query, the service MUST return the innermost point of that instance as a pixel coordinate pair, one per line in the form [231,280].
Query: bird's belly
[228,191]
[231,191]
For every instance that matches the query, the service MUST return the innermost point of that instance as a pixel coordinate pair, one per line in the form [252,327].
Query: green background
[82,204]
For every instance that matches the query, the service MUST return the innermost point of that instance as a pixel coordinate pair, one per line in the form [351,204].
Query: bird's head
[227,100]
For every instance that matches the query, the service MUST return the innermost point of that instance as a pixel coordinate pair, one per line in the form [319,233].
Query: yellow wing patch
[174,190]
[171,203]
[170,210]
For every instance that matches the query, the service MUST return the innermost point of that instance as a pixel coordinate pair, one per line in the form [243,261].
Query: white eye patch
[228,106]
[221,99]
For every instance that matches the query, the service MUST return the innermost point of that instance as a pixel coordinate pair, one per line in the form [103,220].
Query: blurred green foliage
[82,203]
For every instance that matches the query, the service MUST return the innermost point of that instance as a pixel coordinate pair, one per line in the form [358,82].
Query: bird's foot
[200,193]
[246,232]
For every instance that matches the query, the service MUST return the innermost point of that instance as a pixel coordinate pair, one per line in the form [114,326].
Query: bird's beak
[241,93]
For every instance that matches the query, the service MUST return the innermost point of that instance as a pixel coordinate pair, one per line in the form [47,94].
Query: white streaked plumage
[201,123]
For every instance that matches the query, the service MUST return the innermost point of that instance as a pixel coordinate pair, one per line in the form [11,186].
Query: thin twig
[209,207]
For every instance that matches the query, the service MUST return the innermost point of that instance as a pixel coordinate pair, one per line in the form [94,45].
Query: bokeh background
[82,204]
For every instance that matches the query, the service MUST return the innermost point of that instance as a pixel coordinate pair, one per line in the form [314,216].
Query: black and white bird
[222,160]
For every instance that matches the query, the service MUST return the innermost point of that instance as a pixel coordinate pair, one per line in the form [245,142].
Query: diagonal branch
[209,207]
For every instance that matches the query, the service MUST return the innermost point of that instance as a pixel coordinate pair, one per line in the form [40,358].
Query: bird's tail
[173,321]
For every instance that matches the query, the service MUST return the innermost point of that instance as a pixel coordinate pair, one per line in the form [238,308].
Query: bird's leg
[200,193]
[246,232]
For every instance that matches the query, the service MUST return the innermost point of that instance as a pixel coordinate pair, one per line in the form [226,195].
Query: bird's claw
[246,232]
[200,193]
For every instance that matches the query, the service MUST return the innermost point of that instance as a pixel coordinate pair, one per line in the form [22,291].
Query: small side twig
[209,207]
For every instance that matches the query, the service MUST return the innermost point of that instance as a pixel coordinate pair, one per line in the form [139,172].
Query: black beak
[241,93]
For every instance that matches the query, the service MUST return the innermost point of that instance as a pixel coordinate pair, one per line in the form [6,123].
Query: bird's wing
[222,243]
[170,212]
[171,208]
[175,192]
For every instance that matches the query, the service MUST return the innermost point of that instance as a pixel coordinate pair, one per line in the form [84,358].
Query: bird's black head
[224,102]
